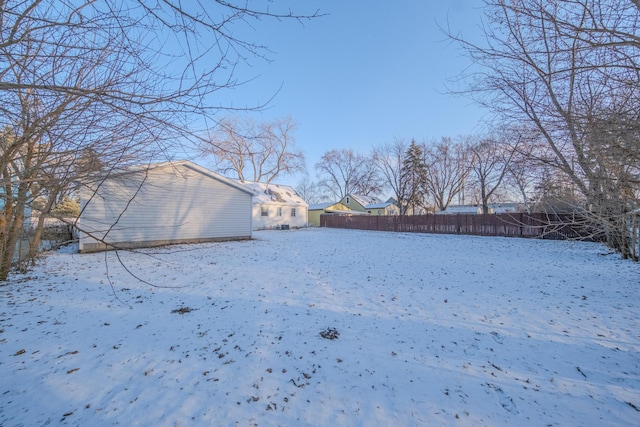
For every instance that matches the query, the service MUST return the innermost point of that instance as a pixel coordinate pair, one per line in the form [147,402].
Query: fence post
[521,223]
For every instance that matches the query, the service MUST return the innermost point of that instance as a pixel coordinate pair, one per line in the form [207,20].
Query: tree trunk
[34,244]
[15,226]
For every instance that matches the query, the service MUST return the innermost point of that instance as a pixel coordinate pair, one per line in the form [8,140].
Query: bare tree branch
[345,172]
[570,70]
[128,81]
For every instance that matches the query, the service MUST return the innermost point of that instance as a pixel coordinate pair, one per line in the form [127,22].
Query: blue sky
[364,74]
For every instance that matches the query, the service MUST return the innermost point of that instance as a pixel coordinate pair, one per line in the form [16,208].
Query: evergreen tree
[414,177]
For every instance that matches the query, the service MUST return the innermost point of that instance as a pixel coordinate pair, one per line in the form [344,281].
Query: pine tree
[413,176]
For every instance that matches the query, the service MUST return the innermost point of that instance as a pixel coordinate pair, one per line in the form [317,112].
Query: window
[279,211]
[347,199]
[293,211]
[264,211]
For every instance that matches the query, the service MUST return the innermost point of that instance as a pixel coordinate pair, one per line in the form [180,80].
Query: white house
[277,206]
[165,203]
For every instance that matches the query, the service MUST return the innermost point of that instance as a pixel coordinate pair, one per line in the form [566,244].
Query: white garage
[165,203]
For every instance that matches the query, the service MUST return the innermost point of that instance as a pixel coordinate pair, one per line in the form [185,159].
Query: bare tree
[570,70]
[345,172]
[448,165]
[47,123]
[553,193]
[389,159]
[525,169]
[255,151]
[127,80]
[491,159]
[310,191]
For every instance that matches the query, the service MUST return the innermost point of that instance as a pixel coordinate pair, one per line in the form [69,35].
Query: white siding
[274,221]
[172,204]
[273,197]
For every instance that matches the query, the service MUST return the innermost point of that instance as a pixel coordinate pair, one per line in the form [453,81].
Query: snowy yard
[418,330]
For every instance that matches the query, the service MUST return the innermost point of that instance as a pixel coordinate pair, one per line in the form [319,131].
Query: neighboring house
[418,210]
[507,207]
[370,205]
[276,206]
[352,204]
[357,202]
[384,208]
[166,203]
[460,209]
[410,210]
[327,208]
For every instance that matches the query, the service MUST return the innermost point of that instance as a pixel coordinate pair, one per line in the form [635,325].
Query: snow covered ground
[431,330]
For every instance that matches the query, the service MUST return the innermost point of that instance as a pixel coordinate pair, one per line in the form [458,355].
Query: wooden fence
[539,225]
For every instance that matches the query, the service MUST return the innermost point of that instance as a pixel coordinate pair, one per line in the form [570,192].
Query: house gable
[356,202]
[276,206]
